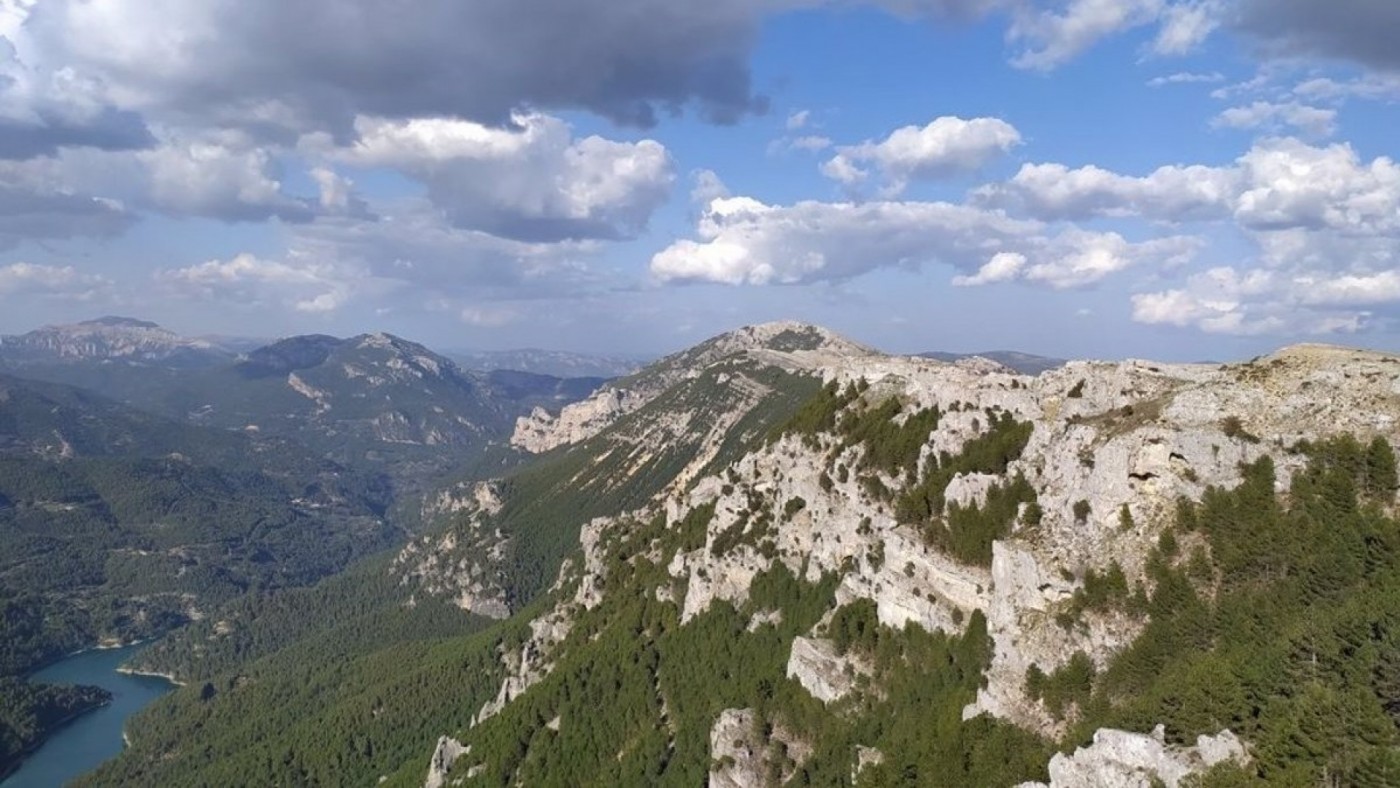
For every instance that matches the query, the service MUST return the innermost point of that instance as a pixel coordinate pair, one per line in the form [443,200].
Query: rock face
[736,750]
[741,757]
[1118,759]
[460,563]
[798,343]
[1126,439]
[447,752]
[824,673]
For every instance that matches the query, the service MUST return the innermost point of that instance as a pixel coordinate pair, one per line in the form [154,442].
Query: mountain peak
[785,336]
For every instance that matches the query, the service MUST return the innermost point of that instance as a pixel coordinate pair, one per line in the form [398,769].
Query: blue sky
[1179,179]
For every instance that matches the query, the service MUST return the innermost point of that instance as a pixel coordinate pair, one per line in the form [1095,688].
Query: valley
[783,558]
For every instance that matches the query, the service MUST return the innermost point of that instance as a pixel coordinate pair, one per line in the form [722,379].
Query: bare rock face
[460,563]
[742,757]
[1125,439]
[1118,759]
[736,751]
[444,756]
[787,344]
[821,671]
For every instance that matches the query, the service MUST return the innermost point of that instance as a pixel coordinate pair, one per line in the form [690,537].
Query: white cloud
[1187,78]
[48,280]
[1185,26]
[811,143]
[744,241]
[1053,37]
[1270,116]
[305,286]
[532,182]
[946,146]
[1228,300]
[1374,87]
[1278,184]
[1077,258]
[799,119]
[1289,184]
[1173,193]
[708,187]
[206,178]
[1003,267]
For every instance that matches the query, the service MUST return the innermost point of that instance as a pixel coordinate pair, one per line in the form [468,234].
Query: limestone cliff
[1112,447]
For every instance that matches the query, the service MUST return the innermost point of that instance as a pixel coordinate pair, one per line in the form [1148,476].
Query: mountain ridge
[782,554]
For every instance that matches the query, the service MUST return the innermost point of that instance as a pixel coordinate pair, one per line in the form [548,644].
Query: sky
[1173,179]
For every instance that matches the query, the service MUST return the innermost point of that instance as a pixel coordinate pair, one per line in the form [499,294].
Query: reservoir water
[91,739]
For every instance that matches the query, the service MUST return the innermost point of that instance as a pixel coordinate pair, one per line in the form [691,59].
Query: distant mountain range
[549,362]
[111,338]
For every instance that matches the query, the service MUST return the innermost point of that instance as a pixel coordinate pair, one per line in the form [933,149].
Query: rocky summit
[1104,457]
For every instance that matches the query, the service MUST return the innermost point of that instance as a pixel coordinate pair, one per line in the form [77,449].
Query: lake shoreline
[94,735]
[170,677]
[58,726]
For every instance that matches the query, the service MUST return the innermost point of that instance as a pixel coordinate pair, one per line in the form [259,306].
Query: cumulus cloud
[1003,267]
[946,146]
[309,287]
[1289,184]
[206,178]
[1173,193]
[744,241]
[48,280]
[1277,184]
[1271,116]
[708,187]
[532,182]
[1227,300]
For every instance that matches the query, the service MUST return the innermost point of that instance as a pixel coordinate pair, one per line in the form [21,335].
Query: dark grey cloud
[26,215]
[110,129]
[318,63]
[1363,31]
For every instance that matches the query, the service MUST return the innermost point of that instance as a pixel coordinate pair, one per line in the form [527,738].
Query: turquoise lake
[95,737]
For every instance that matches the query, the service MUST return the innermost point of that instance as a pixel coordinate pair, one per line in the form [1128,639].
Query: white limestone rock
[444,756]
[1119,759]
[821,671]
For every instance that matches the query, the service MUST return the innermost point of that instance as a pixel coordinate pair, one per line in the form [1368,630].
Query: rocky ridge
[794,346]
[1125,440]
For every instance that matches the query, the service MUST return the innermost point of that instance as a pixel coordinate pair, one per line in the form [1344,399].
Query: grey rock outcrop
[1132,436]
[1118,759]
[824,673]
[444,756]
[742,757]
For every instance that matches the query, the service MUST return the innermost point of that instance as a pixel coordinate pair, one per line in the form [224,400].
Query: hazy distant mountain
[549,362]
[111,338]
[1025,363]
